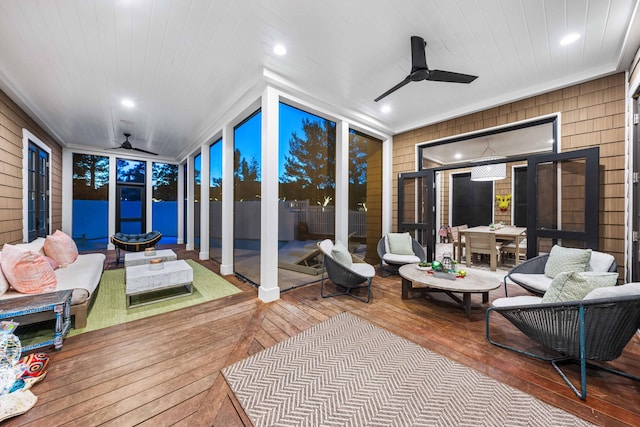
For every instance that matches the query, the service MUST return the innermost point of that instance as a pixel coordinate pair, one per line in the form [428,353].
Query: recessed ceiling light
[457,155]
[279,50]
[385,108]
[569,38]
[128,103]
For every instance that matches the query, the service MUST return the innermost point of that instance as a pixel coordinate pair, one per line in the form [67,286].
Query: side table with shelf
[59,302]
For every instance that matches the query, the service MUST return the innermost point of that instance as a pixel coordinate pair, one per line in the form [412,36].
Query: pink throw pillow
[4,285]
[52,262]
[27,272]
[61,248]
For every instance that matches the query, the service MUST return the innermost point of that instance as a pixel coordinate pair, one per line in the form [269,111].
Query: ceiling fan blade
[418,56]
[395,88]
[451,77]
[144,151]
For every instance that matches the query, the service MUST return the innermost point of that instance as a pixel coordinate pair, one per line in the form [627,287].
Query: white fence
[321,219]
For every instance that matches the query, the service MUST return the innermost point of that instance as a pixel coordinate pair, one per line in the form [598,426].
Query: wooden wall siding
[592,114]
[12,120]
[374,199]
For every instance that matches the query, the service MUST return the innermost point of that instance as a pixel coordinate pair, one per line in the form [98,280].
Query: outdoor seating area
[438,206]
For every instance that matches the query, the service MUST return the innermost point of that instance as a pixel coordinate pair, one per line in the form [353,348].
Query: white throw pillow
[341,254]
[400,243]
[572,286]
[563,260]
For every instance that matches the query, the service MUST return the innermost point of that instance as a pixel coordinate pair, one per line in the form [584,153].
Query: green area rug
[110,305]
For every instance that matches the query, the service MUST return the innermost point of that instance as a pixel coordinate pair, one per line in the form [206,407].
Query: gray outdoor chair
[595,328]
[358,275]
[390,262]
[530,273]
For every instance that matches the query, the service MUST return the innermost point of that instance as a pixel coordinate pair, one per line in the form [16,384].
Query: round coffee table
[475,282]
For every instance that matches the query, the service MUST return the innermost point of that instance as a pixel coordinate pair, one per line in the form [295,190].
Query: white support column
[269,290]
[387,185]
[67,191]
[149,196]
[112,199]
[181,212]
[226,267]
[204,201]
[190,214]
[342,181]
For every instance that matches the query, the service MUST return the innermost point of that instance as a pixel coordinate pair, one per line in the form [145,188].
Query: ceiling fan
[127,145]
[420,70]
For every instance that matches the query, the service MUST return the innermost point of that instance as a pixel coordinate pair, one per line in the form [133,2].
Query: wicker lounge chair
[392,262]
[134,242]
[347,278]
[590,329]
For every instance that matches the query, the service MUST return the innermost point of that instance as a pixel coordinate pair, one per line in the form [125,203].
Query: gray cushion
[566,260]
[400,243]
[573,286]
[340,253]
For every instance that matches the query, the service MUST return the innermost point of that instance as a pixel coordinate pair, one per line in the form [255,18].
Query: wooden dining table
[507,232]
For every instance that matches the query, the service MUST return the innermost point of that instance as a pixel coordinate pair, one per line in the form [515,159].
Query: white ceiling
[187,62]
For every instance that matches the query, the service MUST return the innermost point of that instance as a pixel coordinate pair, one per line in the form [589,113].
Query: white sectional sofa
[83,276]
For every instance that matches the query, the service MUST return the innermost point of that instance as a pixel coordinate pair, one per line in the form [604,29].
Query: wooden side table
[59,302]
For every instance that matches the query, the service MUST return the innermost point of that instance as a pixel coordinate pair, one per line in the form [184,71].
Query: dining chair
[454,236]
[483,244]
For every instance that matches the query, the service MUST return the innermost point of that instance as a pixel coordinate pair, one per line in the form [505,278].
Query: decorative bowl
[425,268]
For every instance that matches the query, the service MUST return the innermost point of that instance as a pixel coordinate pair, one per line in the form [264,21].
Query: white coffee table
[476,282]
[146,286]
[139,258]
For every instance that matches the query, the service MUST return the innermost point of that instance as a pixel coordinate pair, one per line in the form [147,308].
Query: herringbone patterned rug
[347,372]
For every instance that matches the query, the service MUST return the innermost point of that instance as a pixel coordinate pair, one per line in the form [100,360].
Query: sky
[247,137]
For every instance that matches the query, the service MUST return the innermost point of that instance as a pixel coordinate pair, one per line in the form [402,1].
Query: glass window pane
[247,180]
[165,202]
[547,196]
[573,195]
[90,223]
[215,200]
[197,179]
[365,195]
[306,170]
[130,171]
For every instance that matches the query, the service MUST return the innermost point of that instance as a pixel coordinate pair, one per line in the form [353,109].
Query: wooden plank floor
[165,370]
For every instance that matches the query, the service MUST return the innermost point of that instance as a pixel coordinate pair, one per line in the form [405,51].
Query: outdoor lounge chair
[530,273]
[597,327]
[344,275]
[391,262]
[134,242]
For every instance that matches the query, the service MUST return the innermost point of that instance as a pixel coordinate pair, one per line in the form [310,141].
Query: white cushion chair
[344,271]
[536,274]
[398,249]
[596,327]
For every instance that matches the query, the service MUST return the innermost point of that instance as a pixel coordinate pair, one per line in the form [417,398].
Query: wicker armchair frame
[343,277]
[597,329]
[536,266]
[392,268]
[136,246]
